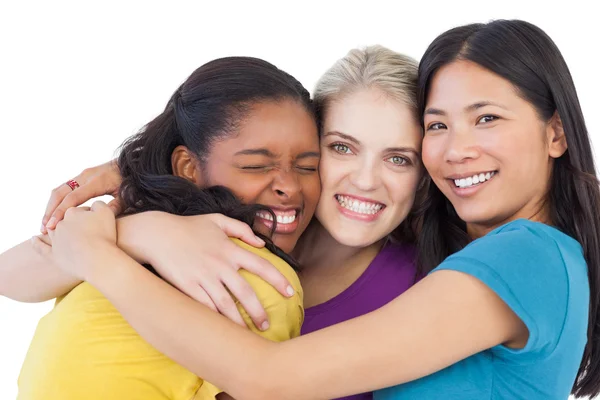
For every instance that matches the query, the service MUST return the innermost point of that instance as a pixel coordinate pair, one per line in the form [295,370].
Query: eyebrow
[267,153]
[402,150]
[309,154]
[255,152]
[472,107]
[343,136]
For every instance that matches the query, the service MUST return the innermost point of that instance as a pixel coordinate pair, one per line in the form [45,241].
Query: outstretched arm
[29,274]
[395,344]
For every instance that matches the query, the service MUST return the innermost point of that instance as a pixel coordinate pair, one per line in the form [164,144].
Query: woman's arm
[28,273]
[192,253]
[446,317]
[198,258]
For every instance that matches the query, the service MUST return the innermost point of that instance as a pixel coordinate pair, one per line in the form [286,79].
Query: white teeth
[265,215]
[285,219]
[473,180]
[359,206]
[281,219]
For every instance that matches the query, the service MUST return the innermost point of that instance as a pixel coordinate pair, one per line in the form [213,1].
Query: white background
[77,78]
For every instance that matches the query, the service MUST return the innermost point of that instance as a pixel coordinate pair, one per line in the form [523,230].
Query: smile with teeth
[474,180]
[357,206]
[283,217]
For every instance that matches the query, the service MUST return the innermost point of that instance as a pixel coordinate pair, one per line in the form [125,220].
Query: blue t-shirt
[541,274]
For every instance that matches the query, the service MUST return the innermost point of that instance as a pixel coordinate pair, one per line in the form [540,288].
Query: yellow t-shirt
[85,350]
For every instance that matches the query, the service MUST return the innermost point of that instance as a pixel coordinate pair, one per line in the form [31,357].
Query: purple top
[390,273]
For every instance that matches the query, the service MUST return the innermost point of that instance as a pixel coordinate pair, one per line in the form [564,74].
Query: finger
[73,199]
[41,247]
[237,229]
[200,295]
[241,289]
[70,212]
[263,269]
[101,207]
[56,197]
[116,206]
[224,302]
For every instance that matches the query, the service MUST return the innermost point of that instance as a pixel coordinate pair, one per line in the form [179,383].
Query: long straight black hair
[524,55]
[208,106]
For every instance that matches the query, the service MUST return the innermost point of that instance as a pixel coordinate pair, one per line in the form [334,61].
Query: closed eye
[311,169]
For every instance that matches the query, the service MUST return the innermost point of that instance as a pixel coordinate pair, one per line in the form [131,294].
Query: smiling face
[370,167]
[272,160]
[486,148]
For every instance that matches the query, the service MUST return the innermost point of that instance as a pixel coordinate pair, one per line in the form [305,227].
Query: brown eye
[436,126]
[487,118]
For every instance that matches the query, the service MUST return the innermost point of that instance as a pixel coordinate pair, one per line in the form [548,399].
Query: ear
[185,165]
[555,134]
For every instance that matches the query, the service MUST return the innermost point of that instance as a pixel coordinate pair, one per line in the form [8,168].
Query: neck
[317,248]
[327,266]
[538,212]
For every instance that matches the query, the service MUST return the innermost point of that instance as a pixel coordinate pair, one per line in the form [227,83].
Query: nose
[461,146]
[366,176]
[286,184]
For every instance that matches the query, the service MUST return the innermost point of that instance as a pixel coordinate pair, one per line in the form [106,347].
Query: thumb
[51,234]
[116,205]
[237,229]
[101,207]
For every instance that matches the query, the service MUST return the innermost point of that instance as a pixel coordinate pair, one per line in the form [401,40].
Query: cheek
[311,188]
[252,189]
[331,171]
[432,152]
[403,188]
[250,192]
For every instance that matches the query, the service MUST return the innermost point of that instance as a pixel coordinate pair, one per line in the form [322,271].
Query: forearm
[29,275]
[395,344]
[199,339]
[322,365]
[133,234]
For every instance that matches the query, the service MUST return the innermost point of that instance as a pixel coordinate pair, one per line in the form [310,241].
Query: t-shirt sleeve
[525,268]
[286,315]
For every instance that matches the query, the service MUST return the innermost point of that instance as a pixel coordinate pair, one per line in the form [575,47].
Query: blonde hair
[375,66]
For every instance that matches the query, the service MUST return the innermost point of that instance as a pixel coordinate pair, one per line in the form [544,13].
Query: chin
[286,244]
[471,215]
[351,240]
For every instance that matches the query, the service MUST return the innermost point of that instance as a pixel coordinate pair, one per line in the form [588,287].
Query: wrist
[134,235]
[107,265]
